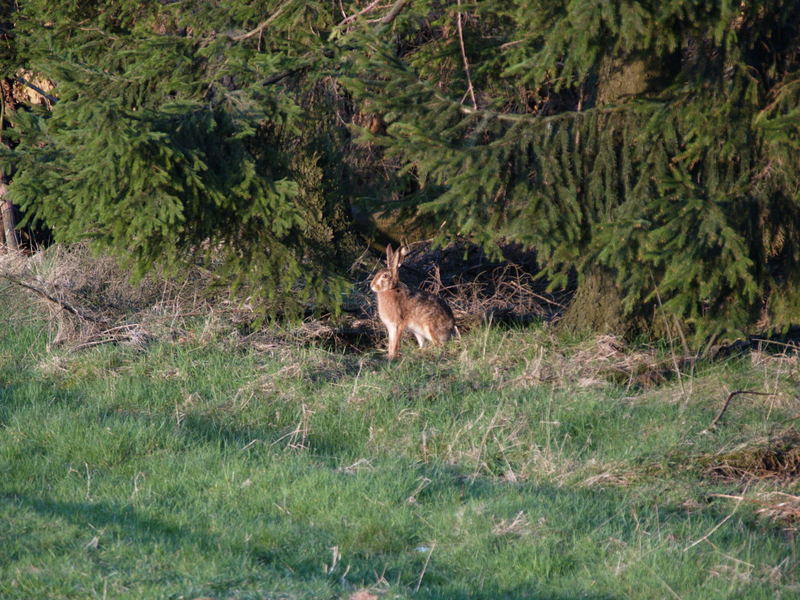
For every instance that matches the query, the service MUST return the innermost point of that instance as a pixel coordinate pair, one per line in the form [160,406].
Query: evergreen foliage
[658,140]
[655,142]
[179,134]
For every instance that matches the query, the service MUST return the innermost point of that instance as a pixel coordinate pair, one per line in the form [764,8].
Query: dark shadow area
[123,517]
[296,556]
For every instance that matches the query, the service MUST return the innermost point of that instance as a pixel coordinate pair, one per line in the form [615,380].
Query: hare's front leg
[395,335]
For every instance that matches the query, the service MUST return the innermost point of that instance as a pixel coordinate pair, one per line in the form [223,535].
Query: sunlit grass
[497,468]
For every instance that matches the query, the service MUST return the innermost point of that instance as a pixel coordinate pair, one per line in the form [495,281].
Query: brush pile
[602,360]
[776,457]
[480,289]
[91,300]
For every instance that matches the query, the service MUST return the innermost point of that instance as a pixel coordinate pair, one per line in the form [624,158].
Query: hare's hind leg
[420,339]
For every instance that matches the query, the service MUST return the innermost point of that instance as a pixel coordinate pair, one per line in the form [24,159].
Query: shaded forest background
[646,151]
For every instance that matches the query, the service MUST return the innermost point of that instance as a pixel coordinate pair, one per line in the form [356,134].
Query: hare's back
[431,315]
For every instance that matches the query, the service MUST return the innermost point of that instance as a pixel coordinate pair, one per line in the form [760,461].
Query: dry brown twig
[261,26]
[788,510]
[717,526]
[368,8]
[727,403]
[50,298]
[470,88]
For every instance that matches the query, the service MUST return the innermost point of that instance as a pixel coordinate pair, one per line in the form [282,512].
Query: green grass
[210,470]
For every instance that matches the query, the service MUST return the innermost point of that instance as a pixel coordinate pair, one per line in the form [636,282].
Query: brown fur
[426,316]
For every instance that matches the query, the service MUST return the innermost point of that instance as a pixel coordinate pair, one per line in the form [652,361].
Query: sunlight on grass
[497,467]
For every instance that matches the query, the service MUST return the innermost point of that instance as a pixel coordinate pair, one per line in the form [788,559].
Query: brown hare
[426,316]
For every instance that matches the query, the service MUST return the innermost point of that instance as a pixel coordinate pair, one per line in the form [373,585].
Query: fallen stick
[64,305]
[728,402]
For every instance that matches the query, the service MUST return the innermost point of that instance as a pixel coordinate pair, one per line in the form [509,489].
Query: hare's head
[388,278]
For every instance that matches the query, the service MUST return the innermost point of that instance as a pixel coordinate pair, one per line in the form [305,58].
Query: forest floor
[201,459]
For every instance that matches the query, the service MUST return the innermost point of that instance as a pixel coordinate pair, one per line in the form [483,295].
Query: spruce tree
[186,131]
[649,147]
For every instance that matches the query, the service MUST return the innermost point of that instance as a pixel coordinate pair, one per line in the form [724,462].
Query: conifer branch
[37,89]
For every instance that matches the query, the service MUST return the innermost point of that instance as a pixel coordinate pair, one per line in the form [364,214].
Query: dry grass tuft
[605,359]
[363,594]
[608,478]
[519,526]
[779,507]
[776,457]
[90,300]
[610,359]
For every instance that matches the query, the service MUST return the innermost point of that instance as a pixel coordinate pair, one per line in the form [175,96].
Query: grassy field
[511,465]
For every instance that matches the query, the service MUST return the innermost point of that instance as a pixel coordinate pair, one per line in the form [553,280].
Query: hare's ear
[390,257]
[402,253]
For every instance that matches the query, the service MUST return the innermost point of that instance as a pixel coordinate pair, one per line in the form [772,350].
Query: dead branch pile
[91,300]
[479,289]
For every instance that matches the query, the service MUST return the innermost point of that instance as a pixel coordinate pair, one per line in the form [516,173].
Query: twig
[470,89]
[280,76]
[363,11]
[111,336]
[355,381]
[64,305]
[425,567]
[392,14]
[37,89]
[675,363]
[261,26]
[790,346]
[728,401]
[717,526]
[511,44]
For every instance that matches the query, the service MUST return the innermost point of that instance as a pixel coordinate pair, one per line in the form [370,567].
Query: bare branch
[261,26]
[470,89]
[64,305]
[368,8]
[728,401]
[392,14]
[37,89]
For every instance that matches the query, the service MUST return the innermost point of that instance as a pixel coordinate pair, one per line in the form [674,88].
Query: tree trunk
[7,209]
[597,304]
[9,218]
